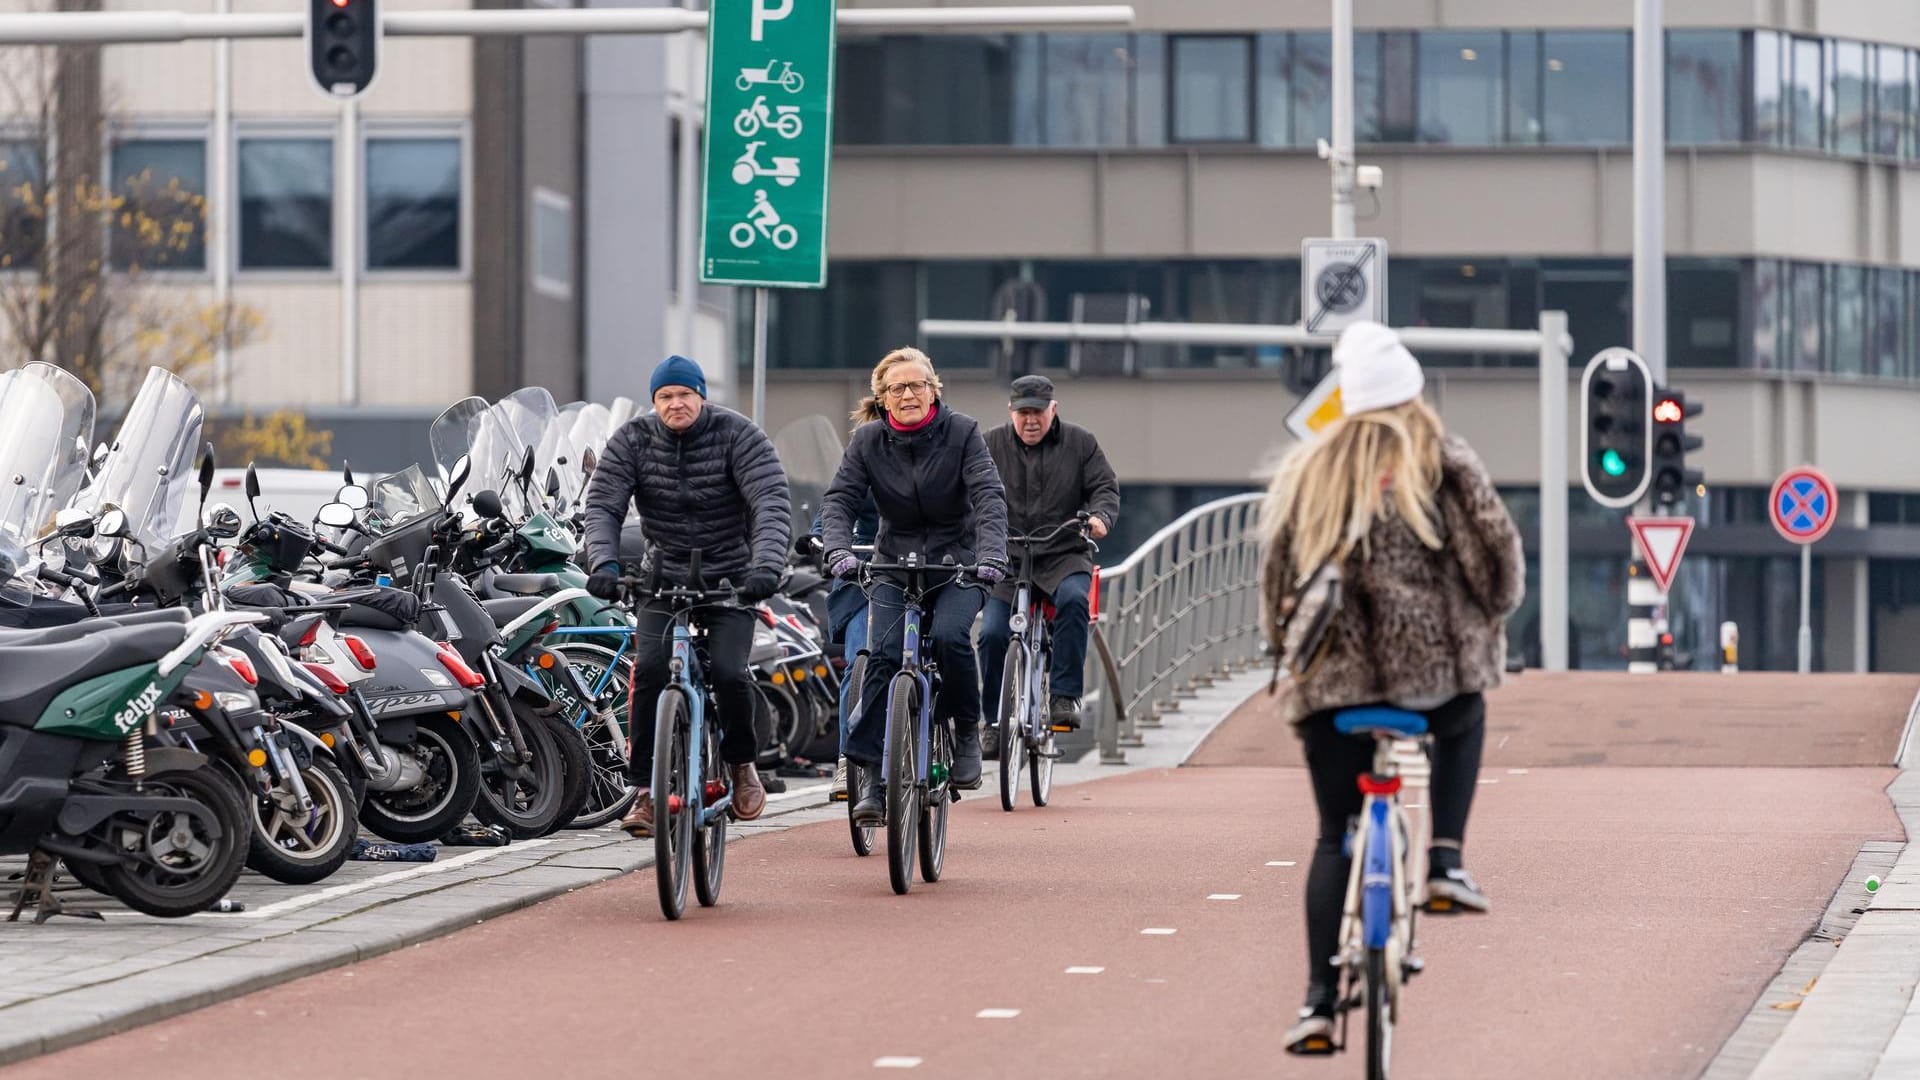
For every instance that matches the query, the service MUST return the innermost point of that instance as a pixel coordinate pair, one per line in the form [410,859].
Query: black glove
[757,585]
[842,563]
[605,582]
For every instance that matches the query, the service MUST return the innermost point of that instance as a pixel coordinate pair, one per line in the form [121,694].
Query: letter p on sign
[766,11]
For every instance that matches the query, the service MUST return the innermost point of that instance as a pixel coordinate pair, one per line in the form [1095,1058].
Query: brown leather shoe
[749,794]
[639,820]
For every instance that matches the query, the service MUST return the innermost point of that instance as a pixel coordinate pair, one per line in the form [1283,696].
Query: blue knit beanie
[678,371]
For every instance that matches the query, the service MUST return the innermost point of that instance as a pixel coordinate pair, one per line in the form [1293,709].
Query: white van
[299,493]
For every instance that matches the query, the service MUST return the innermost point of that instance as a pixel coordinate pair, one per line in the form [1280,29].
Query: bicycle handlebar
[1035,539]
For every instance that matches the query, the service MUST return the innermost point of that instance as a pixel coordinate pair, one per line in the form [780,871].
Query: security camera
[1370,177]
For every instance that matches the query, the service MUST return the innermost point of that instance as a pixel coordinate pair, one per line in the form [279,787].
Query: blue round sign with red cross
[1804,504]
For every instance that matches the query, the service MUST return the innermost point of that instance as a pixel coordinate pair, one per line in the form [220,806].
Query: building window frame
[146,129]
[460,132]
[313,130]
[1251,132]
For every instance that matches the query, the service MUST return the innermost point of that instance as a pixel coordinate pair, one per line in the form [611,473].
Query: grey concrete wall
[1000,202]
[625,280]
[551,147]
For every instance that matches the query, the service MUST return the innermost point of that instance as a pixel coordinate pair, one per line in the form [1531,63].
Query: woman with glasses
[929,473]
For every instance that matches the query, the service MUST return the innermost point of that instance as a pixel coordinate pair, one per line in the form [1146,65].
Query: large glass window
[1770,302]
[1525,124]
[1847,288]
[1808,316]
[1395,98]
[1703,313]
[1211,80]
[1847,97]
[23,218]
[552,244]
[1704,87]
[1804,93]
[1891,101]
[161,222]
[1889,323]
[1460,89]
[1772,113]
[1311,80]
[1149,90]
[413,203]
[1587,87]
[1086,89]
[286,204]
[1272,95]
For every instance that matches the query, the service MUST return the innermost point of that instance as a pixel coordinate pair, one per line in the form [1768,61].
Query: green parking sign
[769,142]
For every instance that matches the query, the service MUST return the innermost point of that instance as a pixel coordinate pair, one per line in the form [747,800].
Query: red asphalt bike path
[1639,911]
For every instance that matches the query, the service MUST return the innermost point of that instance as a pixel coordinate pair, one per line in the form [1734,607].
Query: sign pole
[1806,608]
[760,356]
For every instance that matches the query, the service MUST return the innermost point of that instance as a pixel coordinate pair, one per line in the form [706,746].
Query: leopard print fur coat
[1415,624]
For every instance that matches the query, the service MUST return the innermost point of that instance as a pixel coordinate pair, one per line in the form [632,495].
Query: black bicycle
[1026,731]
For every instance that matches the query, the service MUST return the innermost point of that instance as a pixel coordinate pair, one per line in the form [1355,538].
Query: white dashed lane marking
[896,1063]
[1224,896]
[1159,931]
[996,1014]
[1288,862]
[1085,970]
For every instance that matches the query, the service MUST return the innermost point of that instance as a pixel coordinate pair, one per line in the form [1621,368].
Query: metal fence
[1178,613]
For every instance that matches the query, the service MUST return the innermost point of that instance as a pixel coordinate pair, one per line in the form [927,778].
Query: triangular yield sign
[1662,540]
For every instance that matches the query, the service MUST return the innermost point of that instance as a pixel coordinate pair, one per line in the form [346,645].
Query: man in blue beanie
[701,477]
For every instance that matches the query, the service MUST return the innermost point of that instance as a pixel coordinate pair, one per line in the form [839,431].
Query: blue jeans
[856,639]
[946,636]
[1069,675]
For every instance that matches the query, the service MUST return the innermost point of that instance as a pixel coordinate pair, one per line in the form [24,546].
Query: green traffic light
[1613,464]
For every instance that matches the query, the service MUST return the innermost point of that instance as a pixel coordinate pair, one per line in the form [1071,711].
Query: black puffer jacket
[936,489]
[718,487]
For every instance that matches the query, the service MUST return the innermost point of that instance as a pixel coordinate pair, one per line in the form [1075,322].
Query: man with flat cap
[1052,470]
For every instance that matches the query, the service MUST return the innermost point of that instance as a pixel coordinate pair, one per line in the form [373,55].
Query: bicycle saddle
[1379,718]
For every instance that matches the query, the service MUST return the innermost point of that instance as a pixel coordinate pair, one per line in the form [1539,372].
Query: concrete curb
[318,941]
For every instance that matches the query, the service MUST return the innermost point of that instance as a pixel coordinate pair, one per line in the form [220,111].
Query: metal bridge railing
[1180,612]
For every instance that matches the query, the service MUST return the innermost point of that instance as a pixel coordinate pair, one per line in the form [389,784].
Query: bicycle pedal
[1439,905]
[1316,1045]
[838,796]
[1061,727]
[1412,966]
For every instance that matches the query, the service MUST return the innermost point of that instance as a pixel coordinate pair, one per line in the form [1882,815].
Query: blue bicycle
[691,794]
[918,758]
[1376,926]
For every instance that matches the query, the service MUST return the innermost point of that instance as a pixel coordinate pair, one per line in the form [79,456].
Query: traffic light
[343,45]
[1615,441]
[1671,444]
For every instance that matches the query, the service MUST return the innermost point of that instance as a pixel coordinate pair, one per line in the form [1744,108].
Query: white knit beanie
[1376,371]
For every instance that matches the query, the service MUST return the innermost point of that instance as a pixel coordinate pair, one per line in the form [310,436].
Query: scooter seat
[510,608]
[35,674]
[525,584]
[10,638]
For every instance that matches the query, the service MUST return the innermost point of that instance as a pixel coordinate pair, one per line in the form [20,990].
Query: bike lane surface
[1639,911]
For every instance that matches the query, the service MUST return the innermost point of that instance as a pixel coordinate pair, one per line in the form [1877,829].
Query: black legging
[1336,762]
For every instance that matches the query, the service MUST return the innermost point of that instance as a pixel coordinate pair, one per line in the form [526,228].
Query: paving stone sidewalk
[71,981]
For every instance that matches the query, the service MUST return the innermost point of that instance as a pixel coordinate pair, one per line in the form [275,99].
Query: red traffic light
[1669,411]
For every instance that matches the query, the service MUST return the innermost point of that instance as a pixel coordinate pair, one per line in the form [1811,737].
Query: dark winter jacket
[1048,484]
[718,487]
[936,489]
[1415,625]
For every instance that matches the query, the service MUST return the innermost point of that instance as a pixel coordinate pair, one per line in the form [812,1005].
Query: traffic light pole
[162,27]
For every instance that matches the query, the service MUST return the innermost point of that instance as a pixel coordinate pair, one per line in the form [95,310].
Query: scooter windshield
[398,498]
[149,466]
[810,450]
[14,590]
[452,433]
[46,422]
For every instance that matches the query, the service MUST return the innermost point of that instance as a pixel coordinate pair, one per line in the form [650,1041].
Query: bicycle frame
[913,612]
[685,674]
[1380,899]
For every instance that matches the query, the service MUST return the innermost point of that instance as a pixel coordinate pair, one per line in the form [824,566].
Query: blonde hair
[871,407]
[1329,492]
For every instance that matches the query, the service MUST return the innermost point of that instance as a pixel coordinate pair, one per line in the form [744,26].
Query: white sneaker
[838,792]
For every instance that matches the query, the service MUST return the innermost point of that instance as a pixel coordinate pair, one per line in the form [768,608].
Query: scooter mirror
[206,470]
[353,495]
[553,483]
[486,503]
[100,455]
[337,515]
[458,477]
[223,521]
[73,522]
[526,466]
[588,461]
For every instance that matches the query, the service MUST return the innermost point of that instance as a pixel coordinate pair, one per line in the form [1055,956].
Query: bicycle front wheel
[862,834]
[1040,754]
[1013,724]
[1379,1015]
[903,781]
[672,801]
